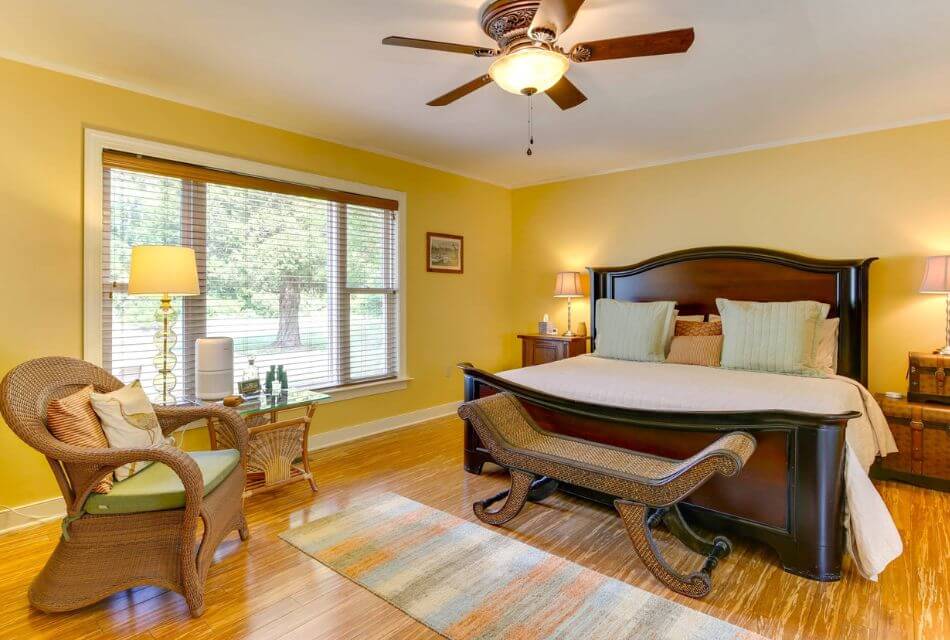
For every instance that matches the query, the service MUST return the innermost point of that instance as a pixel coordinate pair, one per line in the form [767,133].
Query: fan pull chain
[530,124]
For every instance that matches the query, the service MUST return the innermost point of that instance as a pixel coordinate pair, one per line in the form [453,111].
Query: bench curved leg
[516,497]
[634,516]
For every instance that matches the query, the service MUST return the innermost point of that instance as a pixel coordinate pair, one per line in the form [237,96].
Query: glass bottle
[252,372]
[279,380]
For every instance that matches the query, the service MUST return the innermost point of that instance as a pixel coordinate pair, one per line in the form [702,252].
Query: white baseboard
[31,514]
[45,510]
[366,429]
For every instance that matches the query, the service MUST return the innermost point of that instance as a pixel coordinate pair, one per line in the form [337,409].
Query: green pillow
[775,337]
[636,331]
[157,487]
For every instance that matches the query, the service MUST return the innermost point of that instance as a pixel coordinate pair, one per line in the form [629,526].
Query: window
[297,275]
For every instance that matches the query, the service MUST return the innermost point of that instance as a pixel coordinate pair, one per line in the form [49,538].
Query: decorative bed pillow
[828,346]
[691,328]
[704,351]
[775,337]
[72,420]
[674,321]
[128,420]
[638,331]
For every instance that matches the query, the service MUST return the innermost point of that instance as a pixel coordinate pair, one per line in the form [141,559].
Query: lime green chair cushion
[157,487]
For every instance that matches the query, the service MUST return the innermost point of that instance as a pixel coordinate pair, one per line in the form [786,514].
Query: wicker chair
[98,555]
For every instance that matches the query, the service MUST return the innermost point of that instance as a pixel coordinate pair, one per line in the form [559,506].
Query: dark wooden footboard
[790,495]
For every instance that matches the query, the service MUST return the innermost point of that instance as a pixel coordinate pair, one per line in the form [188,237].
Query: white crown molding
[512,186]
[785,142]
[172,96]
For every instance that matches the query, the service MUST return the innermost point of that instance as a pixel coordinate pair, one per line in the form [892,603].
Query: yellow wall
[884,194]
[42,116]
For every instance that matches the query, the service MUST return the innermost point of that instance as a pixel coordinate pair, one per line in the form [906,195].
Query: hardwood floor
[267,589]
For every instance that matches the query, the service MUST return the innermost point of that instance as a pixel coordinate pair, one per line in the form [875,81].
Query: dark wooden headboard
[694,278]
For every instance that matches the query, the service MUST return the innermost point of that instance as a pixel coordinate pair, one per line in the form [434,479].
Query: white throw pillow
[129,421]
[638,331]
[775,337]
[827,357]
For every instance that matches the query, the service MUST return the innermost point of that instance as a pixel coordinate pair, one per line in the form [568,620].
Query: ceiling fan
[528,57]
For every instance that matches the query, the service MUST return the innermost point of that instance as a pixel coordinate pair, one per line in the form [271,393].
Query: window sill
[366,389]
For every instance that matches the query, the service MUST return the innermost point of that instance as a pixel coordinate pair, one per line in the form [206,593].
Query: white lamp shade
[163,270]
[568,285]
[936,275]
[530,70]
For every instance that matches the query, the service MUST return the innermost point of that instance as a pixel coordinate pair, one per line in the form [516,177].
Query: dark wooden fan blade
[552,18]
[648,44]
[565,94]
[461,92]
[415,43]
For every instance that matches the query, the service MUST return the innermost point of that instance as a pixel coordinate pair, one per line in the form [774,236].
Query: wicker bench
[647,487]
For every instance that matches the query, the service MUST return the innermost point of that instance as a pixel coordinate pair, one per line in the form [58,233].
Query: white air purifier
[214,368]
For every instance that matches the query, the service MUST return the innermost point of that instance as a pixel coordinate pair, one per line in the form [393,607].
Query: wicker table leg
[272,448]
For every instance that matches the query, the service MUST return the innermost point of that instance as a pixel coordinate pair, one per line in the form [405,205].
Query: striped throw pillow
[73,420]
[704,351]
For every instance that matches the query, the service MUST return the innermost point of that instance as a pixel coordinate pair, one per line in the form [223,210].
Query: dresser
[538,349]
[922,432]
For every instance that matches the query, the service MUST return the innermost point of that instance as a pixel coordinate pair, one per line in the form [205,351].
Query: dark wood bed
[790,495]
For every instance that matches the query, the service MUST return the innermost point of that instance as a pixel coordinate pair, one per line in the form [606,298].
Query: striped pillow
[637,331]
[704,351]
[72,420]
[775,337]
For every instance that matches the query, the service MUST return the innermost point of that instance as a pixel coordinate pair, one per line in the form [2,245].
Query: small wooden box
[928,378]
[537,349]
[922,432]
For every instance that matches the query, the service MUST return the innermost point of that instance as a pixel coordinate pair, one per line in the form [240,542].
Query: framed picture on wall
[444,253]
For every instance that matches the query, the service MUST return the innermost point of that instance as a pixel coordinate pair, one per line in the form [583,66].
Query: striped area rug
[467,582]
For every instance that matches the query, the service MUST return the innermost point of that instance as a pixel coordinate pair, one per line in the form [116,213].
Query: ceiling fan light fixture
[530,70]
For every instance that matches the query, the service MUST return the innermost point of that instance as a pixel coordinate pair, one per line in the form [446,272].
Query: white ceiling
[761,72]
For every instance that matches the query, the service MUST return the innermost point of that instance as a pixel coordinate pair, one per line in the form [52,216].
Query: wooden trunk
[928,378]
[922,432]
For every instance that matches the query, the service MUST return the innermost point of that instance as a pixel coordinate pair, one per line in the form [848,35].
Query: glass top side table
[273,444]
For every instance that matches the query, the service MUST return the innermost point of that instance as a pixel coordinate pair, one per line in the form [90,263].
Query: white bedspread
[873,540]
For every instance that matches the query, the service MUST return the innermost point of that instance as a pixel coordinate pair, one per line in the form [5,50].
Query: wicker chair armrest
[228,419]
[735,448]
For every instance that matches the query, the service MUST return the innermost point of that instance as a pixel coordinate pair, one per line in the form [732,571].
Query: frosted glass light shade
[163,270]
[568,285]
[531,70]
[936,275]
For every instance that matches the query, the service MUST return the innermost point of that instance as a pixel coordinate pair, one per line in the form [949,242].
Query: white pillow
[775,337]
[827,357]
[128,421]
[638,331]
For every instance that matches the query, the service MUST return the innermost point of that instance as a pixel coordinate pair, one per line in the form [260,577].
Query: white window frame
[98,141]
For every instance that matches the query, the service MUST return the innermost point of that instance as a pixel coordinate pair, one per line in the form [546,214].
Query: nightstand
[538,349]
[922,432]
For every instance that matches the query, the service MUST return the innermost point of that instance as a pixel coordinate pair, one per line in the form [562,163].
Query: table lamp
[937,280]
[165,271]
[568,285]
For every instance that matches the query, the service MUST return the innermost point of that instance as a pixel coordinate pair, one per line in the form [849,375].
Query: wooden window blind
[296,275]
